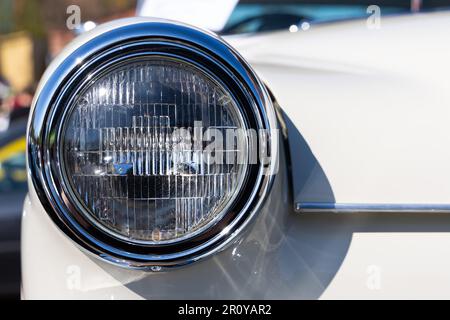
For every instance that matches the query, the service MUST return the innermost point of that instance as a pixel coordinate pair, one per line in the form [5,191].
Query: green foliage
[28,17]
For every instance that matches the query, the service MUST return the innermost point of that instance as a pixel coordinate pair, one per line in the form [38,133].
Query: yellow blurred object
[13,148]
[2,174]
[19,175]
[16,59]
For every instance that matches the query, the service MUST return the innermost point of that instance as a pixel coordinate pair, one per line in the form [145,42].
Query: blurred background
[33,32]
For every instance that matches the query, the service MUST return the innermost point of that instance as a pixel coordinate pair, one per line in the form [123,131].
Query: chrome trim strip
[311,207]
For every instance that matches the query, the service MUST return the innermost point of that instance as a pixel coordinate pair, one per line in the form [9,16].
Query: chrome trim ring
[149,37]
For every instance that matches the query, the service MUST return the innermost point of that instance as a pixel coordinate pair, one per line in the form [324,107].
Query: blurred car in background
[13,188]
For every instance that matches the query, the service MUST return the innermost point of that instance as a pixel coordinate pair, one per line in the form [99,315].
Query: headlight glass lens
[135,150]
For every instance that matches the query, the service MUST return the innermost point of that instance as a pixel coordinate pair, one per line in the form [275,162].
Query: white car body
[367,117]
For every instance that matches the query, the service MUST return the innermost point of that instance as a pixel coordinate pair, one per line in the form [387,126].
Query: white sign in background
[208,14]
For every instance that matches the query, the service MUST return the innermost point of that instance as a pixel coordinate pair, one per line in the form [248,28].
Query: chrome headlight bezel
[132,39]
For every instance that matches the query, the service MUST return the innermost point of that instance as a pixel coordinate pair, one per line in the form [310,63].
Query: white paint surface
[372,105]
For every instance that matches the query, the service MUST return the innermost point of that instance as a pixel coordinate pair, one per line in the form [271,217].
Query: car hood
[367,110]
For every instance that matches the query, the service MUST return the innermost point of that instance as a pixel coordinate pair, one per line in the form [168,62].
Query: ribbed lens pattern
[130,165]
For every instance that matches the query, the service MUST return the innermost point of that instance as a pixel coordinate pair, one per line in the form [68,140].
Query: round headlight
[144,140]
[135,153]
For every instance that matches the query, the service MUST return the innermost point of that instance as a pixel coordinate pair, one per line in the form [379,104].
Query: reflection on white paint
[293,28]
[305,26]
